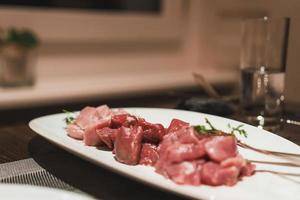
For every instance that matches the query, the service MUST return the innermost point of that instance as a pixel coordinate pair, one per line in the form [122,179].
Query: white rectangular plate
[265,186]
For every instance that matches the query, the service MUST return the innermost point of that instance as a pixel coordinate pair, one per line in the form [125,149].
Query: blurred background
[96,49]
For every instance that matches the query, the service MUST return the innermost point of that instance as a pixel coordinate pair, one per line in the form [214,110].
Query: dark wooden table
[18,142]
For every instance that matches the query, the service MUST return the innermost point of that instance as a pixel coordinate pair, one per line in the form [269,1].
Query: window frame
[63,25]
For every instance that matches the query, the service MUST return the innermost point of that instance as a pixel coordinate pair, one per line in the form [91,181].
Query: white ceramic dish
[260,186]
[27,192]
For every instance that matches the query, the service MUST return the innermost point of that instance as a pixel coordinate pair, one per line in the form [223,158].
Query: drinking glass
[263,57]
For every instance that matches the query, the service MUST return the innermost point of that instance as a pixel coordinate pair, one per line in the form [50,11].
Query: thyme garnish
[70,117]
[238,130]
[210,125]
[202,129]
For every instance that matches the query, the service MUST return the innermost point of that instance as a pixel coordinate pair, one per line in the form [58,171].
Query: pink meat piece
[171,150]
[128,145]
[228,176]
[184,135]
[237,161]
[213,174]
[177,124]
[125,120]
[90,116]
[149,154]
[75,132]
[87,117]
[104,112]
[168,140]
[220,148]
[131,120]
[118,120]
[187,172]
[119,112]
[187,135]
[90,119]
[90,137]
[182,152]
[108,136]
[153,133]
[248,169]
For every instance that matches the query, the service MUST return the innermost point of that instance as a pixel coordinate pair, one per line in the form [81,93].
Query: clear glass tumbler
[263,56]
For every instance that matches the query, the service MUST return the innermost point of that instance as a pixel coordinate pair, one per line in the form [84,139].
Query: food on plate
[128,145]
[186,154]
[149,154]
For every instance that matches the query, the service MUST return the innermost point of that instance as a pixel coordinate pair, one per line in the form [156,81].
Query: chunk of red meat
[90,137]
[213,174]
[119,112]
[75,132]
[87,117]
[182,152]
[187,172]
[167,141]
[118,120]
[108,136]
[177,124]
[248,169]
[220,148]
[125,120]
[142,122]
[153,133]
[185,136]
[237,161]
[228,176]
[90,116]
[128,145]
[149,154]
[104,112]
[171,150]
[131,120]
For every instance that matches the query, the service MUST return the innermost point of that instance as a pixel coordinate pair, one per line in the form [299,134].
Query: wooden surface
[14,140]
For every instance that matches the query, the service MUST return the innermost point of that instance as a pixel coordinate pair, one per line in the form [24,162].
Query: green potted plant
[17,57]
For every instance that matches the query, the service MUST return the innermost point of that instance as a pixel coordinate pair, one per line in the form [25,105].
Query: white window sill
[72,89]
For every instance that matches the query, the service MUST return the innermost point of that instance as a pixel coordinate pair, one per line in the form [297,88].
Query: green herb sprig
[206,130]
[202,129]
[69,119]
[239,130]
